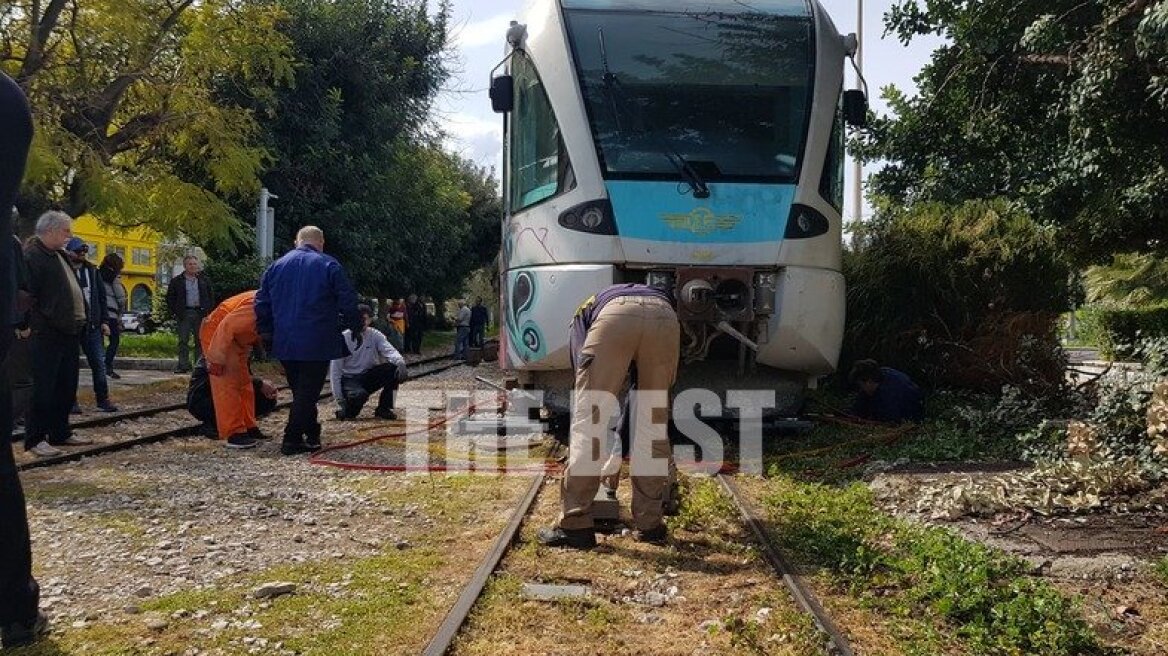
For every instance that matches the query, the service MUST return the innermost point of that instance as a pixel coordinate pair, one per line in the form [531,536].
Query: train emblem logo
[701,221]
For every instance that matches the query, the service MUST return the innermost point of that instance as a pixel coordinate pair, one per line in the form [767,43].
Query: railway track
[437,364]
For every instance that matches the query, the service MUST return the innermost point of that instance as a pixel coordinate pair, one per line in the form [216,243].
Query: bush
[1116,330]
[233,276]
[966,296]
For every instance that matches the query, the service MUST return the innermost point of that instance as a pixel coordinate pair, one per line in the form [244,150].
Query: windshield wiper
[620,105]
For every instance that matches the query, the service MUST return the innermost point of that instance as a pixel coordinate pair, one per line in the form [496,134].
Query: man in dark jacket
[304,302]
[478,323]
[57,321]
[20,621]
[415,324]
[93,292]
[189,298]
[885,394]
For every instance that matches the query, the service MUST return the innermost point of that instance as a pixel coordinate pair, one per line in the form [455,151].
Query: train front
[696,145]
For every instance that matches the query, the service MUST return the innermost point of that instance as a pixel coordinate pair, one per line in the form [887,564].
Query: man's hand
[22,333]
[105,331]
[266,343]
[402,373]
[268,390]
[216,369]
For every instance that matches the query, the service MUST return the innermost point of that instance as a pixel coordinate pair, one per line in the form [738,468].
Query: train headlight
[805,222]
[594,217]
[661,280]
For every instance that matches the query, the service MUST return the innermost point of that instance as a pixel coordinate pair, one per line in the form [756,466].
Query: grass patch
[923,574]
[1161,570]
[154,345]
[375,605]
[437,340]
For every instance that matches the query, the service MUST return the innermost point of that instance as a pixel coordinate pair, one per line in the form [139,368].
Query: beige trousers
[630,329]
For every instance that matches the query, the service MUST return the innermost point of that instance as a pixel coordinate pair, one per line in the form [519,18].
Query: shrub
[1117,330]
[233,276]
[966,296]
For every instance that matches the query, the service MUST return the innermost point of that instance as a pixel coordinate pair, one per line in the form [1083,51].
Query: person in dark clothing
[57,320]
[189,298]
[202,406]
[416,319]
[304,302]
[115,306]
[478,323]
[885,394]
[20,620]
[17,367]
[96,328]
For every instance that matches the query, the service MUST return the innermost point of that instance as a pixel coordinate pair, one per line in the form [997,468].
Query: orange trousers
[229,334]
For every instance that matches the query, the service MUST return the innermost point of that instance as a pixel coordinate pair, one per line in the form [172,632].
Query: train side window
[540,167]
[831,181]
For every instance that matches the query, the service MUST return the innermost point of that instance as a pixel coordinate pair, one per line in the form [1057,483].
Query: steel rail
[837,644]
[460,611]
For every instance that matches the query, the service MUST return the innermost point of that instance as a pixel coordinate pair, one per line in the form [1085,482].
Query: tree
[132,111]
[355,155]
[1060,105]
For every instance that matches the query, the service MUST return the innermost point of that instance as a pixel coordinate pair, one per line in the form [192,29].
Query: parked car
[138,322]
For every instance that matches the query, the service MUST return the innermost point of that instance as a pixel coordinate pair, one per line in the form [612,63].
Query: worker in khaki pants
[227,336]
[622,326]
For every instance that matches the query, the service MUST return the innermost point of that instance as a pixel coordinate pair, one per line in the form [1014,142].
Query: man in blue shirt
[885,394]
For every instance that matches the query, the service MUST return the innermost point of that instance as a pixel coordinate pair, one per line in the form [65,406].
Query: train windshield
[721,95]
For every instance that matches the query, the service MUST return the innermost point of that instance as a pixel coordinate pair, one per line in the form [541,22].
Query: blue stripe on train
[734,213]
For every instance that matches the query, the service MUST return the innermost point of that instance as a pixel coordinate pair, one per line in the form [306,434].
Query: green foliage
[1059,104]
[132,121]
[1161,569]
[233,276]
[964,296]
[154,345]
[1116,331]
[913,571]
[1130,280]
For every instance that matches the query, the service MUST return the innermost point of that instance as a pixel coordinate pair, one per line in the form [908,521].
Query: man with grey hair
[56,319]
[304,303]
[189,298]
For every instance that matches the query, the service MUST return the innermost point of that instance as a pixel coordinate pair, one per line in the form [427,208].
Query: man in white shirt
[373,364]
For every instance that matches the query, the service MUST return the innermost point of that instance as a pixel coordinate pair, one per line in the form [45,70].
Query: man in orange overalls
[227,335]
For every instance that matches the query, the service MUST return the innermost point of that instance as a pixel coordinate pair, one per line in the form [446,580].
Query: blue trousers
[91,346]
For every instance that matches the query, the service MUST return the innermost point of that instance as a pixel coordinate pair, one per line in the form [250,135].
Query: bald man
[304,303]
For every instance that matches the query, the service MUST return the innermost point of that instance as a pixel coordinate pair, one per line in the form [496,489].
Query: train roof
[797,8]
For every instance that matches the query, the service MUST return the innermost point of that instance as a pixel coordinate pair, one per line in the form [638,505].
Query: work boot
[294,448]
[209,430]
[19,634]
[657,535]
[575,538]
[312,439]
[385,413]
[241,441]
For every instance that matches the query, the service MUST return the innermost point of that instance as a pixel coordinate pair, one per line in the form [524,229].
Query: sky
[478,37]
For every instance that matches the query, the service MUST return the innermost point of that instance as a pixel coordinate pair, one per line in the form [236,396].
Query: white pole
[857,167]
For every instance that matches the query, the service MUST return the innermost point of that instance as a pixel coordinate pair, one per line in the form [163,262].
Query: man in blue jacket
[304,302]
[885,394]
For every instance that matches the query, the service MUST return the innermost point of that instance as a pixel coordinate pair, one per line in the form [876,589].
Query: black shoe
[385,413]
[656,535]
[576,538]
[341,415]
[241,441]
[19,634]
[312,439]
[294,448]
[113,374]
[256,434]
[209,431]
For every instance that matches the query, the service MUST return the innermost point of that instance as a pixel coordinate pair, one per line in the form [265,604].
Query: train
[697,145]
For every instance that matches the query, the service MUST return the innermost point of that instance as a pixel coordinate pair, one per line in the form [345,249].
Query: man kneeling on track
[227,336]
[372,364]
[622,326]
[202,406]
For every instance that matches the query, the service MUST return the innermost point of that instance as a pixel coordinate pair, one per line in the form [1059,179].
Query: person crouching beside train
[622,326]
[227,337]
[885,394]
[372,364]
[201,404]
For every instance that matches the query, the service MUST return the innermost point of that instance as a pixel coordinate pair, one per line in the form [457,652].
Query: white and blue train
[696,144]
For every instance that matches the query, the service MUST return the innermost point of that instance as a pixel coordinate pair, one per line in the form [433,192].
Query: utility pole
[265,225]
[857,166]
